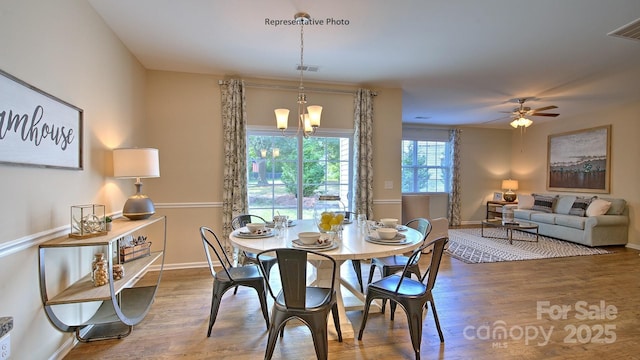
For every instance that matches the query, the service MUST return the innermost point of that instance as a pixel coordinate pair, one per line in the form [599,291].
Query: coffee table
[509,227]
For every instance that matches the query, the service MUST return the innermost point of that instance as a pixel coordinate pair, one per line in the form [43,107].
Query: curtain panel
[234,123]
[363,152]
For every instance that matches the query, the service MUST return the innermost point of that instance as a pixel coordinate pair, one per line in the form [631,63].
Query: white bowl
[387,233]
[309,237]
[254,227]
[390,223]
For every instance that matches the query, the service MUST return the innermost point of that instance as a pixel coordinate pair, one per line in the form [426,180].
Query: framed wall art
[580,160]
[36,128]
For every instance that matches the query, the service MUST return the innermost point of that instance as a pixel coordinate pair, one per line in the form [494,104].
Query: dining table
[355,244]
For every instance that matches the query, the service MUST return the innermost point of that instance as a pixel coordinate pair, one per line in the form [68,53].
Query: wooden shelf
[123,305]
[494,208]
[84,291]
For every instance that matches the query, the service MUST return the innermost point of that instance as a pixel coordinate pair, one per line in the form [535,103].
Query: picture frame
[37,128]
[497,196]
[580,161]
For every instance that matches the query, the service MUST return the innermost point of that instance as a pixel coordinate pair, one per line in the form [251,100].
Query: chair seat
[316,298]
[246,272]
[409,287]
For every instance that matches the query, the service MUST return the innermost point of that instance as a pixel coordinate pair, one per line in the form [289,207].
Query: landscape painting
[579,160]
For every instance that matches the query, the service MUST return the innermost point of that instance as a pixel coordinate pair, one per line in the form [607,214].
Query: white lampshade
[315,112]
[510,184]
[306,120]
[282,118]
[136,163]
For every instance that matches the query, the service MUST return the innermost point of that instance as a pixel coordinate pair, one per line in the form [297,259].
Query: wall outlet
[5,347]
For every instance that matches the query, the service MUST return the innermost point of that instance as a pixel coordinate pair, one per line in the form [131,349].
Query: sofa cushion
[617,206]
[598,207]
[525,201]
[543,203]
[523,214]
[564,204]
[580,206]
[546,218]
[576,222]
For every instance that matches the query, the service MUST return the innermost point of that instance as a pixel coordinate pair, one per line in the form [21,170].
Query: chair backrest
[211,243]
[293,265]
[432,272]
[242,220]
[422,225]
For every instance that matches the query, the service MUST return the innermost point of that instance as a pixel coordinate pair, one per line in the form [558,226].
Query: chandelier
[308,116]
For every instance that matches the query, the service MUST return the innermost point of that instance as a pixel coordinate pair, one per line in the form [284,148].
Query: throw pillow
[580,206]
[543,203]
[525,202]
[598,207]
[564,204]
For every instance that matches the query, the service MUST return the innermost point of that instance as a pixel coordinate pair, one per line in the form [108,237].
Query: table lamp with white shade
[137,163]
[509,185]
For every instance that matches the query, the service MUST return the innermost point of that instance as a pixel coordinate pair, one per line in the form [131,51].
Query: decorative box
[135,252]
[87,221]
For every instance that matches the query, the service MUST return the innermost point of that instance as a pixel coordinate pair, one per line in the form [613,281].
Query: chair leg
[365,315]
[435,317]
[414,317]
[336,320]
[262,295]
[358,270]
[371,270]
[215,305]
[278,320]
[320,340]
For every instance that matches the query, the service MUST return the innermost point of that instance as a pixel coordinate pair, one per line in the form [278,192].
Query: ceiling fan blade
[544,114]
[546,108]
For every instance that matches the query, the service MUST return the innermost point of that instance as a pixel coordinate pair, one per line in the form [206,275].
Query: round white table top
[353,245]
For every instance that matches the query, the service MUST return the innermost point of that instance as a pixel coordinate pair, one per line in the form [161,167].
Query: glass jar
[118,271]
[96,258]
[100,274]
[328,211]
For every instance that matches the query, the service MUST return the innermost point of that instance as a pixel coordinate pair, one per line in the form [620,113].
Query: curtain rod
[295,88]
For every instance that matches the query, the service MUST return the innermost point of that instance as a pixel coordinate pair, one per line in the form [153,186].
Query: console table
[122,303]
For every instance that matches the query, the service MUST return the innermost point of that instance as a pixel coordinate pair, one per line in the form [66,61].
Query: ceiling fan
[520,114]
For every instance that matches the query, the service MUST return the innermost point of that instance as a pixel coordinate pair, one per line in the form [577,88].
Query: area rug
[469,246]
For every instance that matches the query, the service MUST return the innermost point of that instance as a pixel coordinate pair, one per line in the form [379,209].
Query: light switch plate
[5,347]
[388,185]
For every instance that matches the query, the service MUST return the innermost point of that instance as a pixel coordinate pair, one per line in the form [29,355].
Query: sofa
[586,220]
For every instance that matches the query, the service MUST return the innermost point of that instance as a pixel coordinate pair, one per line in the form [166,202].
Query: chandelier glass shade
[308,116]
[521,122]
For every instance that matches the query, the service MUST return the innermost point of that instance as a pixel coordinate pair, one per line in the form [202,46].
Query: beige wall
[184,110]
[530,165]
[63,48]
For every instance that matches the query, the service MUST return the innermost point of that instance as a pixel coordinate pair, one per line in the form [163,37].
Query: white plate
[386,242]
[397,238]
[300,244]
[248,235]
[333,245]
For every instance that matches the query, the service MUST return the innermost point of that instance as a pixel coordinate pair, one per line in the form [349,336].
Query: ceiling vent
[309,68]
[629,31]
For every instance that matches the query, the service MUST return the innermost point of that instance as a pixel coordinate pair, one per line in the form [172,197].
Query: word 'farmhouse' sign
[36,128]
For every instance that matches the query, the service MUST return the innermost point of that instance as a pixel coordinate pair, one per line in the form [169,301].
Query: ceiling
[458,62]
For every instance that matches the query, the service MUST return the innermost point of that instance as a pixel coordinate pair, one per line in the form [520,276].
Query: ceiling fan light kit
[520,114]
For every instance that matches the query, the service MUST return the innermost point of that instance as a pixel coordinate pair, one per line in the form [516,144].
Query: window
[281,167]
[425,166]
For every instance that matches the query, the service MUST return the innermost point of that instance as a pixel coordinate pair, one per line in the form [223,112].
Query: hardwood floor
[473,302]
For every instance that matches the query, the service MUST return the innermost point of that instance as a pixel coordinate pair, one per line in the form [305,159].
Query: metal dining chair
[230,276]
[248,257]
[392,264]
[412,295]
[296,299]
